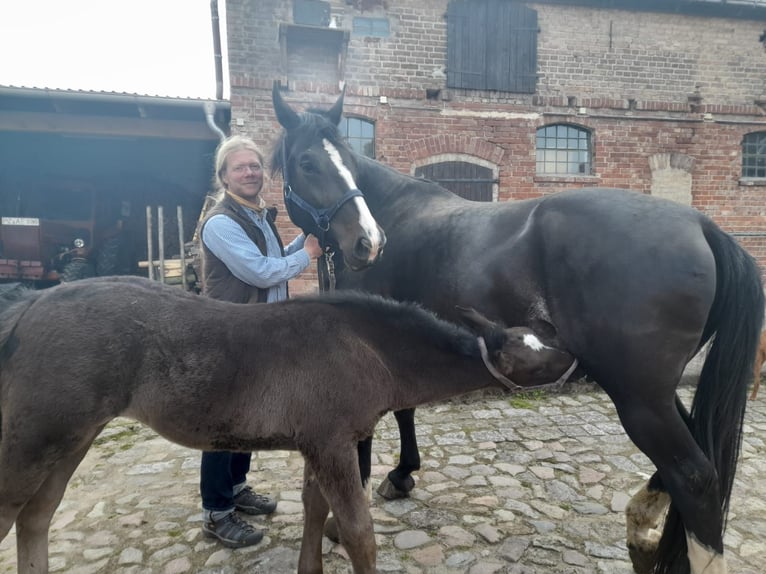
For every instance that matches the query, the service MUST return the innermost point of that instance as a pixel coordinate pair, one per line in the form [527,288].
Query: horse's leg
[337,472]
[30,492]
[659,430]
[644,515]
[399,482]
[315,510]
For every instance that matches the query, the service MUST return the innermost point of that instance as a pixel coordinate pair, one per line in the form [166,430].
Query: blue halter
[321,217]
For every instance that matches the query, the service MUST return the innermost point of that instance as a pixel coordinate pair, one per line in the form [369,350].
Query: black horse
[631,285]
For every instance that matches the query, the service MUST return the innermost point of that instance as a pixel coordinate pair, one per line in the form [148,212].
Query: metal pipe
[210,117]
[149,251]
[161,241]
[217,52]
[182,251]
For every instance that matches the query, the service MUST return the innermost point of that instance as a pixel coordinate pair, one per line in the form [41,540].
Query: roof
[45,109]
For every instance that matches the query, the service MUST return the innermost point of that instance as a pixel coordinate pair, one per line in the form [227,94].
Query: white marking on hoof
[643,516]
[703,559]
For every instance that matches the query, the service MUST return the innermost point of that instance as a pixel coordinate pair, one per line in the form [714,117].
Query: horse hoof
[643,561]
[331,530]
[388,491]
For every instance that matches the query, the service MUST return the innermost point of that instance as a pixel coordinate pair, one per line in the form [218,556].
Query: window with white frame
[754,155]
[564,149]
[359,134]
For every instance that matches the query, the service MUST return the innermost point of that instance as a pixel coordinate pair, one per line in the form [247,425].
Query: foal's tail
[718,408]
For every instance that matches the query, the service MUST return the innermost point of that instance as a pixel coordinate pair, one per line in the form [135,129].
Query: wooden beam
[105,125]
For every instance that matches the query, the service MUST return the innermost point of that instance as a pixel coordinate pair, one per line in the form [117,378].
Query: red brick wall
[632,72]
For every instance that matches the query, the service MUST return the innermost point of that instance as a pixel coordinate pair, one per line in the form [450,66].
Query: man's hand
[312,247]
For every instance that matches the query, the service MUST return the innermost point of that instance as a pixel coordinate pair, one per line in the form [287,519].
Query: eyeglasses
[253,167]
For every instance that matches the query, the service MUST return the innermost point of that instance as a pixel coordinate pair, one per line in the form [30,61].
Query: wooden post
[180,217]
[149,250]
[161,241]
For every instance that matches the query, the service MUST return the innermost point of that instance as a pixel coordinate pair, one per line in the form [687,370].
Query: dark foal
[629,284]
[313,375]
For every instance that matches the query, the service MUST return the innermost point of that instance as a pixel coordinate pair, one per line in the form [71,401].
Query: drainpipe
[218,59]
[217,53]
[210,117]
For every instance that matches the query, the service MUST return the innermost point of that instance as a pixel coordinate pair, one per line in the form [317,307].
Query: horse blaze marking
[366,220]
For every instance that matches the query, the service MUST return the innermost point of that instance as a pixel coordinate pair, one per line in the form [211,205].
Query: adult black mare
[213,375]
[629,284]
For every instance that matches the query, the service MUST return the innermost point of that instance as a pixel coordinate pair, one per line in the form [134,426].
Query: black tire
[77,269]
[110,259]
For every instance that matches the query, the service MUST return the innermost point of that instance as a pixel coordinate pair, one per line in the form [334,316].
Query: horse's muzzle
[365,253]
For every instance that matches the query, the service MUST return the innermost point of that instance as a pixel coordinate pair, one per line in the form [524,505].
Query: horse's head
[319,174]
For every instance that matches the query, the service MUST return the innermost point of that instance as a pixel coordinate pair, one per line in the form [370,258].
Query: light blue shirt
[228,241]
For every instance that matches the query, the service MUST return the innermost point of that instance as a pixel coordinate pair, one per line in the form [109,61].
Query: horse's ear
[336,111]
[286,116]
[474,320]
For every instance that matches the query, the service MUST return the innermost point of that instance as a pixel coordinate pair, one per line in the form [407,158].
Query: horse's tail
[718,408]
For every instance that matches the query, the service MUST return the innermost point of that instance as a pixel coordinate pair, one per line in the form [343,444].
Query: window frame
[562,155]
[353,140]
[755,157]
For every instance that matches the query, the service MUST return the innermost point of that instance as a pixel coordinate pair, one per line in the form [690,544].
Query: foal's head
[517,353]
[319,173]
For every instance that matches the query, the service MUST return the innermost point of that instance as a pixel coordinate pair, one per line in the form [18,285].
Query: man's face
[243,175]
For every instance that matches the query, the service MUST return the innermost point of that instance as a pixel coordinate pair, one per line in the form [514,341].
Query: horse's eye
[307,165]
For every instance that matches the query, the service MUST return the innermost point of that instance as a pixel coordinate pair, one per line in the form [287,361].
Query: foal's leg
[30,492]
[364,452]
[315,510]
[659,430]
[400,482]
[337,472]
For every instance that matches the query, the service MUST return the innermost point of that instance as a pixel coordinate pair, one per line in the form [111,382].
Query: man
[243,261]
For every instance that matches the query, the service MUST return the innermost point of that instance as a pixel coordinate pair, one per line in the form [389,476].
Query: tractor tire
[110,259]
[77,269]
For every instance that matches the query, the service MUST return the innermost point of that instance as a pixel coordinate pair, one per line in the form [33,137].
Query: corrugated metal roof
[54,91]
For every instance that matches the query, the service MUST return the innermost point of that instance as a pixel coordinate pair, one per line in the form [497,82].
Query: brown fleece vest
[217,281]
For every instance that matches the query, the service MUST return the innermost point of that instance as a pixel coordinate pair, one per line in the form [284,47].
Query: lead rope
[509,384]
[326,272]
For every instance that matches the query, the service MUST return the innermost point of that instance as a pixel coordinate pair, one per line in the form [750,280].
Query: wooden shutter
[491,45]
[462,178]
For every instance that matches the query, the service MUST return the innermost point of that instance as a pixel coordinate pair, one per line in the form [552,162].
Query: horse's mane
[411,317]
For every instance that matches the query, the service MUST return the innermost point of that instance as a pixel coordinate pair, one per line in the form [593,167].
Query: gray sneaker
[250,502]
[232,531]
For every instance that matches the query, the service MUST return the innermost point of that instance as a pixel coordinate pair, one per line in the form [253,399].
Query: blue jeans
[220,472]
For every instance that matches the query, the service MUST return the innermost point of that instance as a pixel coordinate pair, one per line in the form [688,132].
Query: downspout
[217,53]
[218,59]
[210,117]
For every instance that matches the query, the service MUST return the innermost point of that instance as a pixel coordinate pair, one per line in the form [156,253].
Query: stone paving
[524,484]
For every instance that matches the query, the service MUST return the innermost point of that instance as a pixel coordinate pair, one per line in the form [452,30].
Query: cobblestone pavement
[525,484]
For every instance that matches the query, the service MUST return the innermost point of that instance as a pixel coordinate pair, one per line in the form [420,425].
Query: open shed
[105,158]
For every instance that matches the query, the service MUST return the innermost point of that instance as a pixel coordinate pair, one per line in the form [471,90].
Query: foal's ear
[286,116]
[474,320]
[336,111]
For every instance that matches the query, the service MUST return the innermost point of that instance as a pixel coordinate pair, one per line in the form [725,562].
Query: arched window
[463,178]
[563,149]
[754,155]
[360,135]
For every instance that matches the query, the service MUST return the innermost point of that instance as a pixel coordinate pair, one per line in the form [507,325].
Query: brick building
[504,100]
